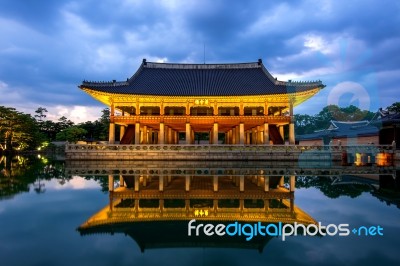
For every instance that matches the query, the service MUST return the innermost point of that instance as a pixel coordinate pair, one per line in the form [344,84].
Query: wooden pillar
[215,134]
[282,132]
[292,205]
[111,133]
[161,183]
[260,135]
[110,183]
[155,137]
[241,133]
[170,134]
[237,135]
[187,204]
[266,134]
[292,139]
[253,136]
[137,183]
[121,181]
[241,204]
[187,183]
[150,136]
[136,205]
[188,133]
[166,137]
[241,183]
[266,183]
[258,181]
[137,133]
[281,181]
[121,132]
[234,135]
[266,204]
[292,183]
[192,137]
[215,205]
[215,183]
[161,134]
[145,135]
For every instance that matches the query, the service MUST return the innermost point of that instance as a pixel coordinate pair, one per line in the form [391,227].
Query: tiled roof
[339,129]
[201,80]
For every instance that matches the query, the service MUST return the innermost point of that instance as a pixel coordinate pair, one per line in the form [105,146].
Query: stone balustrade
[225,152]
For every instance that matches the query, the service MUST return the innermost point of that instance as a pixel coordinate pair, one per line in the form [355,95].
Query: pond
[52,215]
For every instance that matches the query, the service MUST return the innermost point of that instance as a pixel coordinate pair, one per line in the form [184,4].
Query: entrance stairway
[128,136]
[274,135]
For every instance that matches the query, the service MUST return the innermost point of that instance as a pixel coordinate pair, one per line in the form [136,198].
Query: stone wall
[218,152]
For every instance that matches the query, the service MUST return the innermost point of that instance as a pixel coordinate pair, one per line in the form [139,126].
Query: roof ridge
[249,65]
[350,122]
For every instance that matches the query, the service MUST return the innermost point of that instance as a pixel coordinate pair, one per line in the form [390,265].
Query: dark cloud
[49,47]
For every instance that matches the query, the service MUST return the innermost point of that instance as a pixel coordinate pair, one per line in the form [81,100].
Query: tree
[394,108]
[305,124]
[18,130]
[104,124]
[64,123]
[41,113]
[71,134]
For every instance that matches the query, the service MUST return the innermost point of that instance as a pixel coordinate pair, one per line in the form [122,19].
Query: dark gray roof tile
[202,80]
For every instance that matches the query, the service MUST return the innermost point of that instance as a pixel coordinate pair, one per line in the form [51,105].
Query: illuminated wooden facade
[242,101]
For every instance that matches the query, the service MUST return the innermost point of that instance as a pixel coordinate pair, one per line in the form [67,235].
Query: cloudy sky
[48,47]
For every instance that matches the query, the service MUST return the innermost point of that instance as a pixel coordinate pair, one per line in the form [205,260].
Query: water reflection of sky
[76,182]
[40,229]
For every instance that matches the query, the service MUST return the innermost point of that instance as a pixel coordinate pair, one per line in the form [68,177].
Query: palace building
[164,103]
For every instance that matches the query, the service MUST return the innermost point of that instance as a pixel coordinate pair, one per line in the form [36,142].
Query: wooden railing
[202,119]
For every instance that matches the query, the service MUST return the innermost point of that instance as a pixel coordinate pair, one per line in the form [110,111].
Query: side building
[165,103]
[382,130]
[347,133]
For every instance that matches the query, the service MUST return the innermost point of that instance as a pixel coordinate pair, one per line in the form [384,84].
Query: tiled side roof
[343,129]
[202,79]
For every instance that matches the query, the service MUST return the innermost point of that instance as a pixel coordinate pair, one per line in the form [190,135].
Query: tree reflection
[328,187]
[18,174]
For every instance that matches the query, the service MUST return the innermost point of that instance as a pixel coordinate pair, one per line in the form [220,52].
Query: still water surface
[41,209]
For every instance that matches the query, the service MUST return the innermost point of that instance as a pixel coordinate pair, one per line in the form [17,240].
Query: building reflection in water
[155,209]
[152,202]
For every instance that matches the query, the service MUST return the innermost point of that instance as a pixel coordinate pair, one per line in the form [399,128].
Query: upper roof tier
[166,79]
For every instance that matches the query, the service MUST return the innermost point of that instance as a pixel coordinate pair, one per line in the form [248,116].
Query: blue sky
[48,47]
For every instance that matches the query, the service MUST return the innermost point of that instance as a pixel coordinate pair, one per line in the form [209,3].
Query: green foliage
[21,174]
[98,130]
[18,130]
[71,134]
[394,108]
